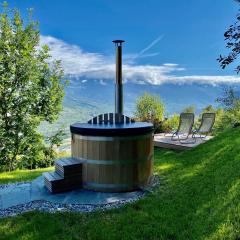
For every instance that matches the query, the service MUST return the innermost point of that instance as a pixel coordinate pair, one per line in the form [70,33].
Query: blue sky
[188,34]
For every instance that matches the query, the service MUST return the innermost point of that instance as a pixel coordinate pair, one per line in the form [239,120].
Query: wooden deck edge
[171,146]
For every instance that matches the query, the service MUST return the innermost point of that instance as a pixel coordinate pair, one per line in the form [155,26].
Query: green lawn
[21,175]
[199,198]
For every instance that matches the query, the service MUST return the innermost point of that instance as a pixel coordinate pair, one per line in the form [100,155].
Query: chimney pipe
[118,83]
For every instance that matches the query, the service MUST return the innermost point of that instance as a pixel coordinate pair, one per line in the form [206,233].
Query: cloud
[214,80]
[84,65]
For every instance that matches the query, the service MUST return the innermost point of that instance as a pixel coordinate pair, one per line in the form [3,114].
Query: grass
[21,175]
[198,198]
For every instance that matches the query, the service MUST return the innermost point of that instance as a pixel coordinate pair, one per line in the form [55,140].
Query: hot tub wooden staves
[115,157]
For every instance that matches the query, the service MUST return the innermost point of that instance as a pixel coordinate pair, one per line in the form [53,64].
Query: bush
[150,108]
[230,103]
[189,109]
[171,123]
[49,150]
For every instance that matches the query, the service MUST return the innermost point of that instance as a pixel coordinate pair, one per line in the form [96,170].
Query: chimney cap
[118,42]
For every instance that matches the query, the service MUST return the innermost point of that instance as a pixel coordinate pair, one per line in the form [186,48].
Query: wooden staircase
[67,175]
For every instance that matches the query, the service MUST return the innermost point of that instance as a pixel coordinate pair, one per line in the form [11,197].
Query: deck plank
[164,141]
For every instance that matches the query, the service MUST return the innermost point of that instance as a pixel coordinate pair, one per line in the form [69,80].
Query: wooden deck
[164,141]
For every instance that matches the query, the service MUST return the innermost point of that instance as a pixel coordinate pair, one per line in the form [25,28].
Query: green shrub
[189,109]
[171,123]
[230,114]
[150,108]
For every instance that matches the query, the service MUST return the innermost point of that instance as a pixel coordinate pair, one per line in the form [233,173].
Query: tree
[230,102]
[229,98]
[31,89]
[208,109]
[189,109]
[149,108]
[232,37]
[52,142]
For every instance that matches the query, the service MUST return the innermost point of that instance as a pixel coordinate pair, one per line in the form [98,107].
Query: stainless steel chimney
[118,83]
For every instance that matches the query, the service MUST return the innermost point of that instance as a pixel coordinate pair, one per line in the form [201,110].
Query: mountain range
[86,98]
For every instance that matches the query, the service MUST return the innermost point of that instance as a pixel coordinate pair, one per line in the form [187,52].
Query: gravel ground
[46,206]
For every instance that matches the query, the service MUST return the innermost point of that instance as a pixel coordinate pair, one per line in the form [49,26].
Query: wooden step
[69,167]
[52,181]
[56,183]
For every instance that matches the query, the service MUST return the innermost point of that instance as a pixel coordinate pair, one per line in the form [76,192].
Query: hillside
[198,198]
[87,98]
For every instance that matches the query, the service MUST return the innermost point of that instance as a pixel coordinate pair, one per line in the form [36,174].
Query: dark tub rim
[126,129]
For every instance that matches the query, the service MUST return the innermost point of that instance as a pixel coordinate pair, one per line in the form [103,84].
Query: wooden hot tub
[110,153]
[116,157]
